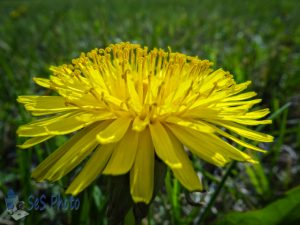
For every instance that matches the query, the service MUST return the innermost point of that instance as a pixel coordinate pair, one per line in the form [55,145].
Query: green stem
[129,218]
[216,193]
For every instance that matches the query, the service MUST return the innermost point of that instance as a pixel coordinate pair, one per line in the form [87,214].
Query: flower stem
[216,193]
[129,218]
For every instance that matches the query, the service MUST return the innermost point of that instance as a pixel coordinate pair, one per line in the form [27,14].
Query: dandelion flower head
[125,105]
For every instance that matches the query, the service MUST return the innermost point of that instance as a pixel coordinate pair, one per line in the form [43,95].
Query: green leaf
[85,209]
[283,211]
[258,179]
[98,197]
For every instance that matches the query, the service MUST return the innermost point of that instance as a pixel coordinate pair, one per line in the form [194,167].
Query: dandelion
[126,105]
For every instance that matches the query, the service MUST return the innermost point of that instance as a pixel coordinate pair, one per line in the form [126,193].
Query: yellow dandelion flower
[128,105]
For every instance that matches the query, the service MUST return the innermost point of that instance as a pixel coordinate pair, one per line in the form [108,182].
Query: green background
[254,40]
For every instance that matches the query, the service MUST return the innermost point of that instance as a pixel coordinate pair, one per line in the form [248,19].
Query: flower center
[129,81]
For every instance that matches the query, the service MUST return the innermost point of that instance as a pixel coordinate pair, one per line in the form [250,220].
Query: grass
[255,40]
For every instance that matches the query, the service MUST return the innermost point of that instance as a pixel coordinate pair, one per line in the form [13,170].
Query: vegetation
[254,40]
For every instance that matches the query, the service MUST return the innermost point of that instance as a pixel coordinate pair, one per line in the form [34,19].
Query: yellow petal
[123,156]
[139,124]
[42,82]
[238,141]
[250,103]
[95,77]
[163,145]
[240,96]
[245,132]
[56,125]
[207,101]
[186,175]
[135,100]
[114,132]
[202,113]
[34,141]
[222,147]
[142,172]
[179,92]
[240,87]
[255,114]
[52,104]
[69,155]
[91,169]
[192,124]
[195,144]
[41,170]
[210,81]
[248,122]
